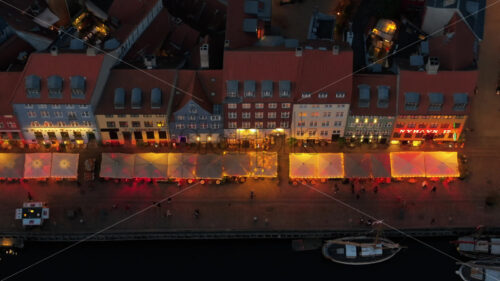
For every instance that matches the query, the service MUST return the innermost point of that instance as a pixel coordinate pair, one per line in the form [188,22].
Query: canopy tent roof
[209,166]
[303,165]
[407,164]
[357,165]
[330,165]
[264,164]
[64,165]
[236,165]
[380,165]
[117,165]
[182,165]
[37,165]
[11,165]
[151,165]
[441,164]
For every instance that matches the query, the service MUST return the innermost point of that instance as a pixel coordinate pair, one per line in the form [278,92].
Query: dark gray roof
[111,44]
[436,98]
[155,98]
[460,98]
[76,44]
[364,96]
[383,96]
[136,98]
[77,82]
[266,85]
[54,82]
[250,25]
[33,82]
[251,7]
[232,86]
[249,86]
[119,100]
[285,85]
[412,97]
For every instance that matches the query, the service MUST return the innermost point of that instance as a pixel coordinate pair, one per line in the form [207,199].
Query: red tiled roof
[261,65]
[211,82]
[321,69]
[457,52]
[195,90]
[374,80]
[130,13]
[445,82]
[65,65]
[152,39]
[234,25]
[184,36]
[131,78]
[8,82]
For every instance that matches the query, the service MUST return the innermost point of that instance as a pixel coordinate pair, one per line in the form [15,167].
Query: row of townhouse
[306,92]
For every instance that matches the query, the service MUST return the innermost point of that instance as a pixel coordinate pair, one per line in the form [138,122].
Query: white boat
[480,270]
[478,247]
[361,250]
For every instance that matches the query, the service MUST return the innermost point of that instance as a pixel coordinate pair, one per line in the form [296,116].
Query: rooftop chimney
[432,65]
[336,49]
[298,51]
[91,51]
[226,44]
[204,57]
[54,51]
[150,62]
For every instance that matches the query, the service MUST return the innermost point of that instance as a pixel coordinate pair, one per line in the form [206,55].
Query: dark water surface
[221,260]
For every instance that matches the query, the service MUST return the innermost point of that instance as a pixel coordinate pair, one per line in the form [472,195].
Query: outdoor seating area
[374,165]
[188,166]
[38,166]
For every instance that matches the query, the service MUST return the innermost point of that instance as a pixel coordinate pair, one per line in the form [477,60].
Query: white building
[319,121]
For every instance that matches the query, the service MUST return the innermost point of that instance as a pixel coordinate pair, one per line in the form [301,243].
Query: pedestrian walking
[158,205]
[169,214]
[357,196]
[252,194]
[127,207]
[30,197]
[266,221]
[363,189]
[352,188]
[169,200]
[433,220]
[196,213]
[434,189]
[255,219]
[375,189]
[336,188]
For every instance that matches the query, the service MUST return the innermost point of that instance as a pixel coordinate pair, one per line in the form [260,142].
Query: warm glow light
[357,120]
[366,120]
[375,120]
[64,164]
[198,138]
[353,136]
[209,138]
[379,137]
[394,142]
[416,143]
[36,164]
[280,129]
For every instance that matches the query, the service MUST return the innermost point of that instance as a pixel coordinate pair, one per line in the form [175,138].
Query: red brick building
[9,126]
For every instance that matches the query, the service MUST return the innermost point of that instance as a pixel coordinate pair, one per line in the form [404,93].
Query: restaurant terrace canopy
[64,165]
[236,165]
[37,165]
[303,165]
[117,165]
[407,164]
[264,164]
[209,166]
[11,165]
[441,164]
[151,165]
[357,165]
[182,165]
[330,165]
[380,165]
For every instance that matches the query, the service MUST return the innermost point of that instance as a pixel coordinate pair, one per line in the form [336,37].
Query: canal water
[221,260]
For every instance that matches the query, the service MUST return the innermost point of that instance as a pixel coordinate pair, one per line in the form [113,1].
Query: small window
[150,135]
[110,124]
[340,95]
[306,95]
[323,95]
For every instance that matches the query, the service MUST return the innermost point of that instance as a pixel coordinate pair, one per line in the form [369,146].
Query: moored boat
[480,270]
[361,250]
[478,247]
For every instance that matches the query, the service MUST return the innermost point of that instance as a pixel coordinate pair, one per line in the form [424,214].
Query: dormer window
[33,86]
[267,88]
[136,98]
[77,84]
[285,88]
[412,101]
[119,101]
[383,97]
[55,83]
[306,95]
[460,101]
[232,88]
[249,88]
[193,109]
[323,95]
[435,101]
[364,96]
[155,98]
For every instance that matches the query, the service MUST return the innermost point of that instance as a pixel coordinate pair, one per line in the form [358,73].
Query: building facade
[258,93]
[9,127]
[54,103]
[323,97]
[433,104]
[373,109]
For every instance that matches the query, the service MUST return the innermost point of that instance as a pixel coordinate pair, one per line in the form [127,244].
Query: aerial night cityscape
[244,139]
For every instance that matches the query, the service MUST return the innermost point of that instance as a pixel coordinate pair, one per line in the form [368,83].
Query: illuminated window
[232,115]
[285,105]
[272,105]
[313,124]
[232,125]
[284,125]
[306,95]
[123,124]
[246,105]
[285,115]
[231,106]
[136,124]
[259,106]
[327,114]
[271,115]
[259,125]
[245,115]
[245,125]
[323,95]
[148,124]
[110,124]
[259,115]
[340,95]
[271,125]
